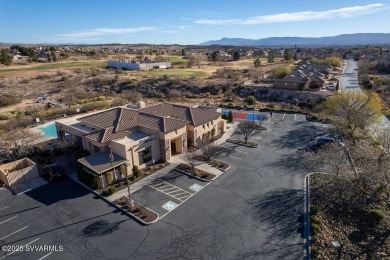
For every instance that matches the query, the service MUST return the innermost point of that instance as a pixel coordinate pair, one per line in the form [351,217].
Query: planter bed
[242,142]
[143,214]
[213,162]
[198,173]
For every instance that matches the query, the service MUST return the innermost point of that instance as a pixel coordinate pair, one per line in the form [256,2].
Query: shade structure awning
[101,162]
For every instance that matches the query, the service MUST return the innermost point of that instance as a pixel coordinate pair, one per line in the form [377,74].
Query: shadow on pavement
[281,209]
[101,227]
[53,192]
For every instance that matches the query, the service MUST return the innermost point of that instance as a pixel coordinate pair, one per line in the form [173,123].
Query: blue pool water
[49,130]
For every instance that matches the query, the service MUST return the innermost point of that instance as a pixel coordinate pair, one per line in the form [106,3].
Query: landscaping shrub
[376,215]
[132,178]
[95,184]
[122,169]
[313,210]
[315,220]
[314,228]
[88,179]
[224,116]
[314,239]
[230,117]
[376,143]
[136,172]
[315,252]
[111,191]
[110,177]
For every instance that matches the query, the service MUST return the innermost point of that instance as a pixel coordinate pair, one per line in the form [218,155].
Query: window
[145,155]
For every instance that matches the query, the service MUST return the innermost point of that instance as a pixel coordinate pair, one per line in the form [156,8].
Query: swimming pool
[49,130]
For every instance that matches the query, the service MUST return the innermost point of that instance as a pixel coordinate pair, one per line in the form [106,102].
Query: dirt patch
[137,210]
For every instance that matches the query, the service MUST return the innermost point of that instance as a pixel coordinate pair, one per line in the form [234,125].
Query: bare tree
[248,128]
[189,157]
[207,147]
[16,143]
[66,144]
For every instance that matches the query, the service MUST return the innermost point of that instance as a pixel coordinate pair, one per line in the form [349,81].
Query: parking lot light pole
[129,200]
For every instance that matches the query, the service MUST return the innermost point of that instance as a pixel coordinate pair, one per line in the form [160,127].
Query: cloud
[345,12]
[105,31]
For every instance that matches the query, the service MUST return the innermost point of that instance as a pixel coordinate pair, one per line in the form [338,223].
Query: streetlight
[129,201]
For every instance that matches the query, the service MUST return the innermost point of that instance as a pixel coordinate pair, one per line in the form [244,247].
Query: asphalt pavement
[252,211]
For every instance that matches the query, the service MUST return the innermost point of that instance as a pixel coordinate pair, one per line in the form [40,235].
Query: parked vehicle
[53,172]
[331,87]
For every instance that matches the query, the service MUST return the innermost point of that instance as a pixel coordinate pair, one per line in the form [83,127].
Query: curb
[116,206]
[306,219]
[233,142]
[192,176]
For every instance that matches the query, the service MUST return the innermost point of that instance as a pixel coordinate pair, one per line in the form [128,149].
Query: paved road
[349,82]
[253,211]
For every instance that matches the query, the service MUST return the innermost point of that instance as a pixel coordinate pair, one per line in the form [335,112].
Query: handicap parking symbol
[170,205]
[196,187]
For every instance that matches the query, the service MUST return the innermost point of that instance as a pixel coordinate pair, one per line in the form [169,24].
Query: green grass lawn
[176,73]
[177,60]
[58,65]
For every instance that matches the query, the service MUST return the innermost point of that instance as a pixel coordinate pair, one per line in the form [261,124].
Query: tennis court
[245,116]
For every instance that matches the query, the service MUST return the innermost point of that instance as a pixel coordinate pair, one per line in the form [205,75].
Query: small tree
[251,100]
[136,172]
[247,129]
[189,157]
[230,117]
[271,58]
[354,110]
[287,55]
[5,57]
[257,63]
[236,55]
[207,147]
[215,56]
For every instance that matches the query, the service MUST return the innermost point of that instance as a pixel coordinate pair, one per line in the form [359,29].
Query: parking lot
[253,211]
[168,192]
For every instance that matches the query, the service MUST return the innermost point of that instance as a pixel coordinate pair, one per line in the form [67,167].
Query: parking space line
[45,256]
[4,207]
[14,232]
[234,157]
[9,219]
[19,251]
[192,194]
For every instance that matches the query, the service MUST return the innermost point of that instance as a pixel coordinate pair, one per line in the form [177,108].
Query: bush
[314,228]
[315,220]
[95,183]
[88,179]
[376,143]
[132,178]
[136,171]
[224,116]
[110,191]
[376,215]
[122,169]
[230,117]
[314,239]
[313,210]
[315,252]
[110,177]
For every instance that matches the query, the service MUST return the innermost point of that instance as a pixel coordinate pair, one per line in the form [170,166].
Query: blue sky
[184,21]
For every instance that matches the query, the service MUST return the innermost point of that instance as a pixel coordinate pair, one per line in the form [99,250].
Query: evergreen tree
[236,55]
[257,62]
[230,117]
[5,58]
[287,55]
[271,58]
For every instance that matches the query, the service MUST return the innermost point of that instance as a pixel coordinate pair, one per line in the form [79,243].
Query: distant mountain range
[344,39]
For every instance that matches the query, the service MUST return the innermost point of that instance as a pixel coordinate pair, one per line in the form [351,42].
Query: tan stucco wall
[205,129]
[18,171]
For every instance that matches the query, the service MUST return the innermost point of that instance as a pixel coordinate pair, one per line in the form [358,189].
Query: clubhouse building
[139,137]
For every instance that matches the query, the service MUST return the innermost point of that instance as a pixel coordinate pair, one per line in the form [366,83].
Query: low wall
[18,171]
